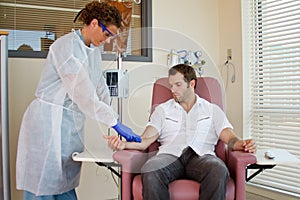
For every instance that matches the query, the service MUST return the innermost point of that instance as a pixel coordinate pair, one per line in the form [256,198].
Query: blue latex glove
[126,132]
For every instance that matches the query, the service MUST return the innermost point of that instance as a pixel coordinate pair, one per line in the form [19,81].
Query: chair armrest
[237,164]
[131,160]
[240,159]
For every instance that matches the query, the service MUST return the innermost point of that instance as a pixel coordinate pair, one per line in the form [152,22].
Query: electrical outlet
[229,54]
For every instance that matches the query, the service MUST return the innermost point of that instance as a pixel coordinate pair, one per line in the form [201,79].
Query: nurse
[71,87]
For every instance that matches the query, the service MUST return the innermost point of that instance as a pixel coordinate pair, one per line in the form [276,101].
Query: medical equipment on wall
[227,66]
[176,57]
[191,58]
[117,81]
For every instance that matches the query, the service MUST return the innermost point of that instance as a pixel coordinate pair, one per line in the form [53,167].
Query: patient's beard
[176,99]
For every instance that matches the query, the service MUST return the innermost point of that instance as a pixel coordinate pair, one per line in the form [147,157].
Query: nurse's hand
[114,142]
[126,132]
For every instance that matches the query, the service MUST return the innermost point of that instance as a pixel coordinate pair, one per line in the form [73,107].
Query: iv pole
[119,108]
[119,102]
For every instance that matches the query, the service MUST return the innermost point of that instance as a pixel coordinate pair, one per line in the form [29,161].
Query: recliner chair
[183,189]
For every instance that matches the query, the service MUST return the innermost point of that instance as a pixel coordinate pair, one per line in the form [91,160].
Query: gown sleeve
[83,92]
[102,91]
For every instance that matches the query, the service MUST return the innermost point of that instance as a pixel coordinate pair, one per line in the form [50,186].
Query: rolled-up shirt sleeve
[157,119]
[220,120]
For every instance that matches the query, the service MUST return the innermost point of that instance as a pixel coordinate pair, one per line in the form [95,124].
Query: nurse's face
[102,34]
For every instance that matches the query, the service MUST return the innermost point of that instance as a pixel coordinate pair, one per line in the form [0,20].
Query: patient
[188,128]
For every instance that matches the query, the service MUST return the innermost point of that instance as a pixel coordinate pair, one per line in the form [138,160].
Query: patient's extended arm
[234,143]
[148,137]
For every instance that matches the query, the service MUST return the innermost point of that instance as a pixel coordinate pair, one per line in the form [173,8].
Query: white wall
[191,25]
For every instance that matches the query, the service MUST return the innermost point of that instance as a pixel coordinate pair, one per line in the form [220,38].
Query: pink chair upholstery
[132,160]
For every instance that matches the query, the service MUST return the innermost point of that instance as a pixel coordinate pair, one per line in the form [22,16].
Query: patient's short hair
[187,71]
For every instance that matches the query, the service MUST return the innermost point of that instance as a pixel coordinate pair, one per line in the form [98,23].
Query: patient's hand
[248,145]
[114,142]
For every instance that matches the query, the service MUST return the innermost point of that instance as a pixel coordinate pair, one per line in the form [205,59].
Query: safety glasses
[105,29]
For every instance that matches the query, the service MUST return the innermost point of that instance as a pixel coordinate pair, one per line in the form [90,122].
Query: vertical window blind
[273,82]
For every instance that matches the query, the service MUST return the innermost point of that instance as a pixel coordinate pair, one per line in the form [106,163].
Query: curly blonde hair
[102,11]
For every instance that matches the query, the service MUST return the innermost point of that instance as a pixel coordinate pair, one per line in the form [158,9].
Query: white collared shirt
[200,128]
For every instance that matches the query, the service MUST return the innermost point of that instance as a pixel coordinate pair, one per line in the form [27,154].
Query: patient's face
[179,87]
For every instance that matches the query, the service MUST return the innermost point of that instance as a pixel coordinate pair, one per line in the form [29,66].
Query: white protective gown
[71,86]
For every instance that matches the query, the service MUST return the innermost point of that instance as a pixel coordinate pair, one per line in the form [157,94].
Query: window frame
[146,20]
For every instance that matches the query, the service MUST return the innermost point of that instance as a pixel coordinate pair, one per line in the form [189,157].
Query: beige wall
[209,25]
[230,37]
[22,80]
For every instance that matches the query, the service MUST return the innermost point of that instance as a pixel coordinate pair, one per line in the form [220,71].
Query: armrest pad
[241,157]
[131,160]
[237,164]
[239,160]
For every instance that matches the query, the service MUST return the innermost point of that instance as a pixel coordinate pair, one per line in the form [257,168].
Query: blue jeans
[71,195]
[162,169]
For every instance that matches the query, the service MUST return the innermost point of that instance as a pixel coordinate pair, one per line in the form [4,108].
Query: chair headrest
[207,88]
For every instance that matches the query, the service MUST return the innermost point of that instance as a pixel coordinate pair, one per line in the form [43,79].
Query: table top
[104,154]
[282,157]
[94,154]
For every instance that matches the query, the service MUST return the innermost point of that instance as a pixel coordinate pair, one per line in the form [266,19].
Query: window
[272,84]
[34,25]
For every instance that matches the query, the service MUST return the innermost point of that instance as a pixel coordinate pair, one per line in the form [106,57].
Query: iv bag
[119,43]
